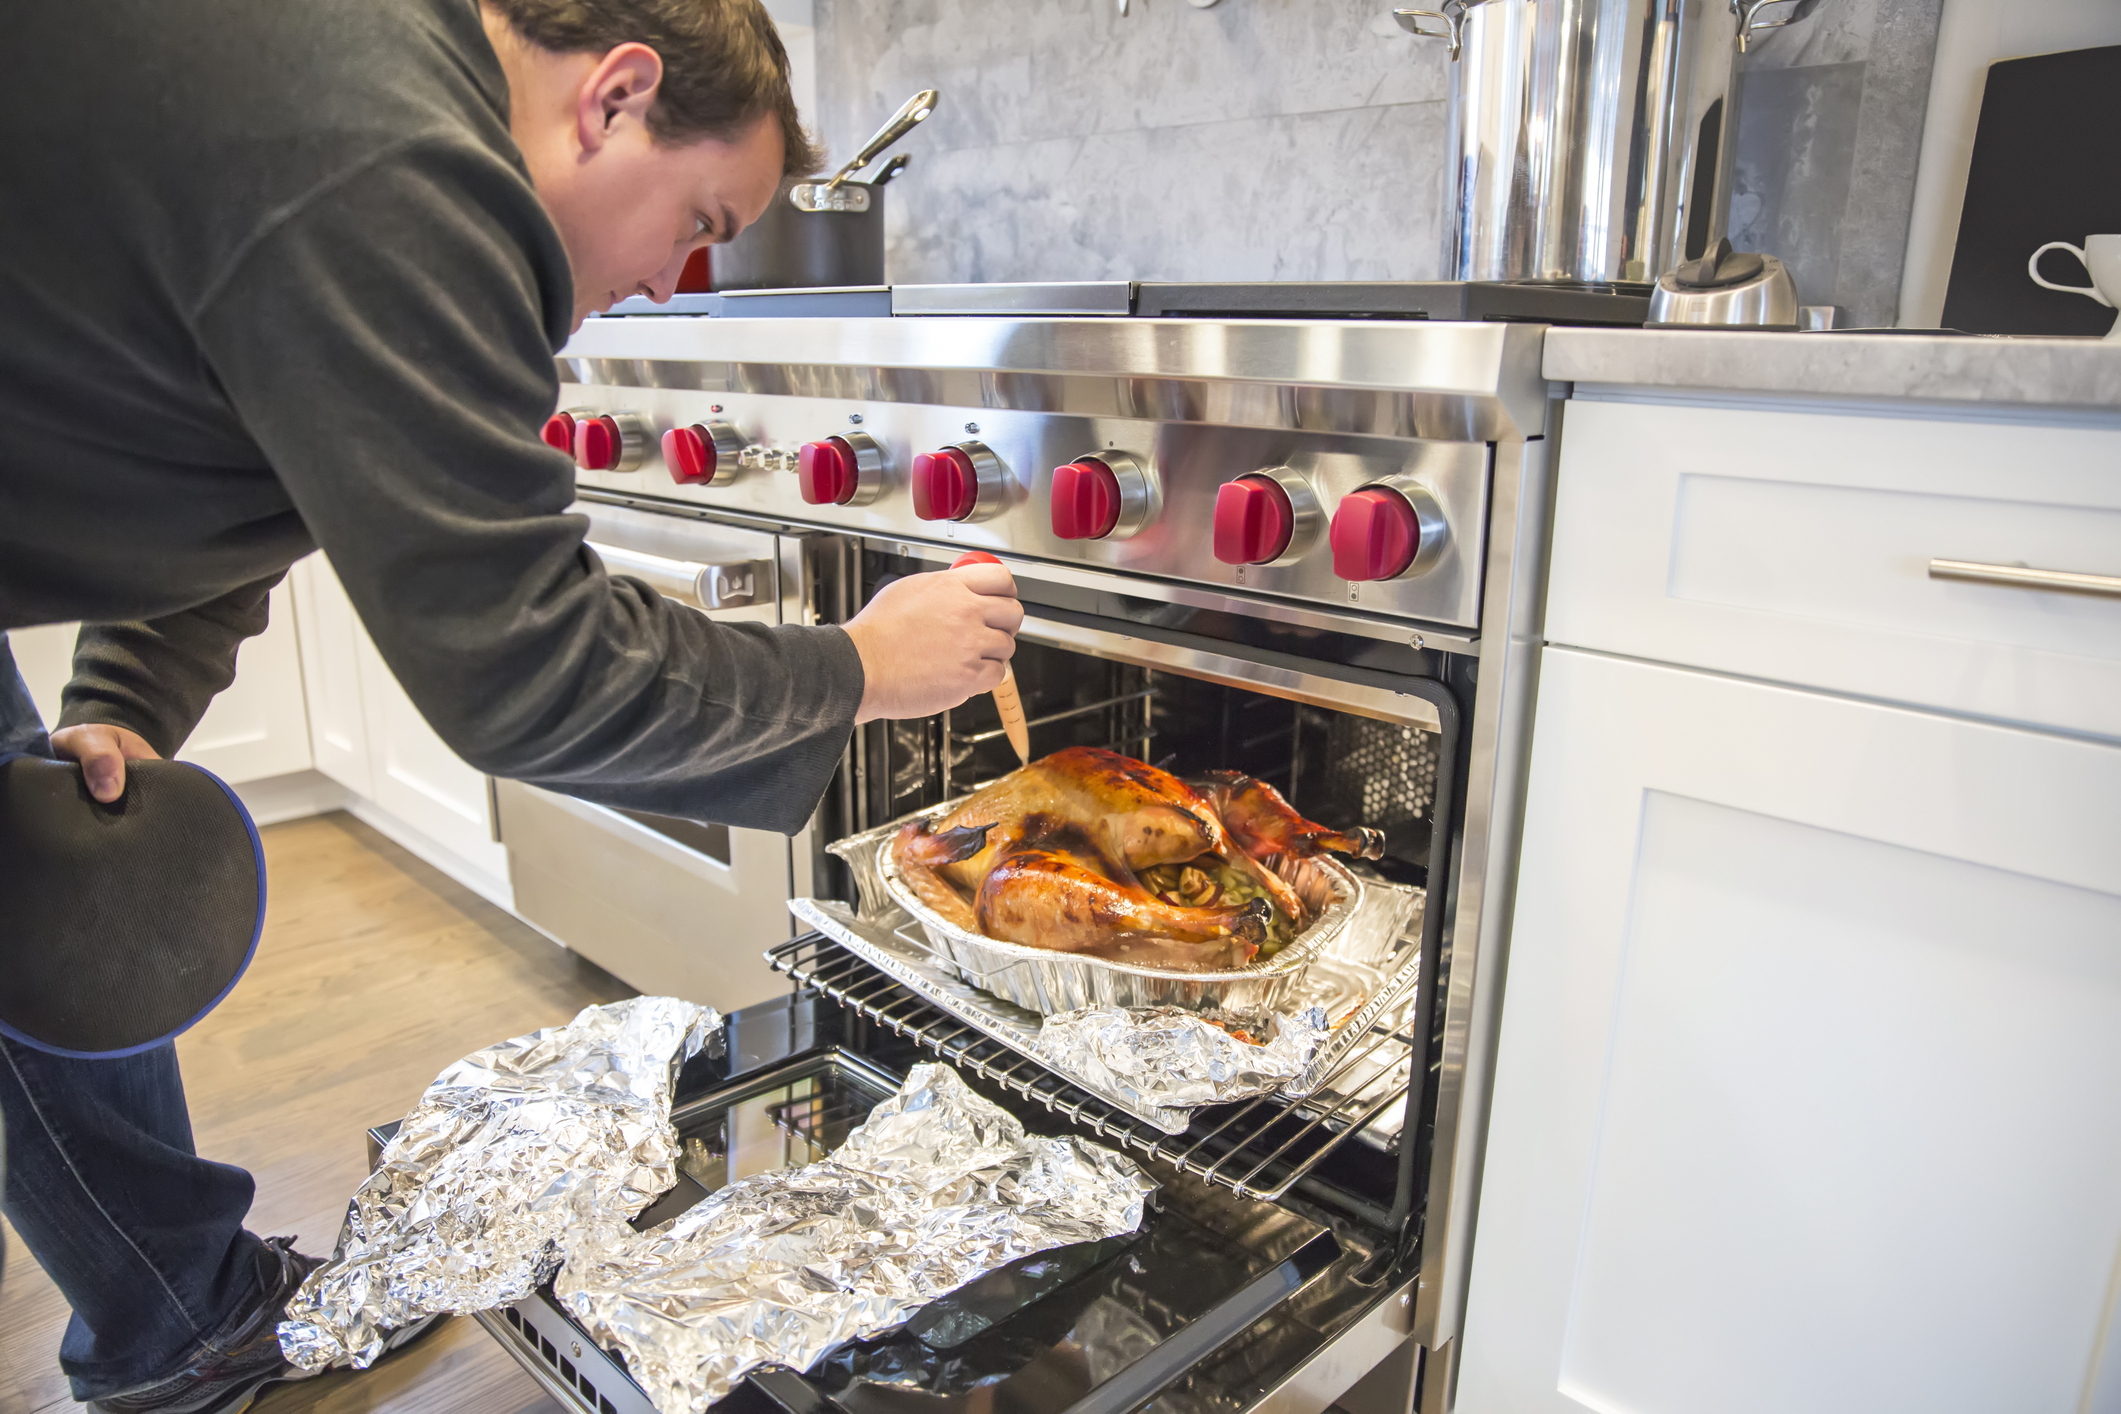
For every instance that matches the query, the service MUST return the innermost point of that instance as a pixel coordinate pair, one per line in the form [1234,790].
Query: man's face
[632,209]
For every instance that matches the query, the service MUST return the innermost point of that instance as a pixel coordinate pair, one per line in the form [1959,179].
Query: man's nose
[664,283]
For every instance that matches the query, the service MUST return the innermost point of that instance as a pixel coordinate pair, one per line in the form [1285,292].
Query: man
[277,276]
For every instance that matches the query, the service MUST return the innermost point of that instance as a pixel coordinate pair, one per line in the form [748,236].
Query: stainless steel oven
[1355,623]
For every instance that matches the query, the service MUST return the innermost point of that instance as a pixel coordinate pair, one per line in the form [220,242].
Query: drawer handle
[729,584]
[2106,586]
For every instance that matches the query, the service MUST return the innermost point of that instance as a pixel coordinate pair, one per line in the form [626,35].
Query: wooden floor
[375,971]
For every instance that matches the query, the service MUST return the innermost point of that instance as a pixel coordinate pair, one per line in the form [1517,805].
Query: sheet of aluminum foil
[937,1187]
[509,1151]
[1166,1058]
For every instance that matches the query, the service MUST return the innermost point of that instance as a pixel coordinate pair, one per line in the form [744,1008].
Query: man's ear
[620,88]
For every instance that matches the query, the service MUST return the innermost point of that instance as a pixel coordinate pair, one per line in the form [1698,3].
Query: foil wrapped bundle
[510,1149]
[1170,1059]
[936,1188]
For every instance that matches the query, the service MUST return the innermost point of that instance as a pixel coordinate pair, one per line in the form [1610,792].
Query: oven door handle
[1175,1357]
[720,584]
[790,1393]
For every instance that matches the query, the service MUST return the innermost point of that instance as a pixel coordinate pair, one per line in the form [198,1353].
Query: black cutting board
[2047,167]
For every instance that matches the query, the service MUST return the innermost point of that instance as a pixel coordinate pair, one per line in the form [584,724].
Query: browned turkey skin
[1050,855]
[1264,825]
[1056,889]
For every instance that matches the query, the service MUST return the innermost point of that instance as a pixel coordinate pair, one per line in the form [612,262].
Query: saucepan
[823,233]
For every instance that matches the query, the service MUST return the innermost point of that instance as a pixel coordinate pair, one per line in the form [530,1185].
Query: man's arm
[386,346]
[156,677]
[138,689]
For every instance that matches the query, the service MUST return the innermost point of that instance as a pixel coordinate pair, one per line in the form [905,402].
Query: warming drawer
[671,907]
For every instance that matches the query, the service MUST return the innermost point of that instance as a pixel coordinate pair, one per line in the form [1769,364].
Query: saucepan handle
[895,127]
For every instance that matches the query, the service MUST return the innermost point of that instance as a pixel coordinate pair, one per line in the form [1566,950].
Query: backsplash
[1304,139]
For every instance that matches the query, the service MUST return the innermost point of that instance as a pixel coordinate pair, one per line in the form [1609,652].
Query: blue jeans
[143,1237]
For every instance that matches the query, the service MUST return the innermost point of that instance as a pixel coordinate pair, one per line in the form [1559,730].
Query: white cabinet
[368,736]
[1808,1088]
[257,729]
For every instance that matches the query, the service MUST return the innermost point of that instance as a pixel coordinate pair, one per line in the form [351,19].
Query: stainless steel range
[1310,549]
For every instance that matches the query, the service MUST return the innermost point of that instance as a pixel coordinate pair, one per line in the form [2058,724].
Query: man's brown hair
[723,64]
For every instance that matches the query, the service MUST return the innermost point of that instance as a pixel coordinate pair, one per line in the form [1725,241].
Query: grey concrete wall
[1829,130]
[1303,139]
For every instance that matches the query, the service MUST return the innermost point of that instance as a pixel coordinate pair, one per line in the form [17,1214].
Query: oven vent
[1259,1148]
[1376,773]
[576,1381]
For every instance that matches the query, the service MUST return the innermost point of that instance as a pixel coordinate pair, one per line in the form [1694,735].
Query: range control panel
[1386,525]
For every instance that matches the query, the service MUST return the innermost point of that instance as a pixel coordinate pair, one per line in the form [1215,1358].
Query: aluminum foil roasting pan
[1045,981]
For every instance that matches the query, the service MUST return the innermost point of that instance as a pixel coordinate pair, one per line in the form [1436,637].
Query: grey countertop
[2055,373]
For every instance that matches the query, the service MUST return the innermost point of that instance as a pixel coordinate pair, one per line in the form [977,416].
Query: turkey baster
[1006,700]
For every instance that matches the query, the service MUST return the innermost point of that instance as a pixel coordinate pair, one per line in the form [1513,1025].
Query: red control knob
[828,471]
[558,432]
[689,455]
[702,453]
[1085,500]
[945,485]
[1376,534]
[598,444]
[1253,521]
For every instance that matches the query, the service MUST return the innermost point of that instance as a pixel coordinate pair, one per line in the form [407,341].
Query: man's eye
[700,227]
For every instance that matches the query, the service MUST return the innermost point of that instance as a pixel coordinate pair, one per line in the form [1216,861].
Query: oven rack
[1260,1149]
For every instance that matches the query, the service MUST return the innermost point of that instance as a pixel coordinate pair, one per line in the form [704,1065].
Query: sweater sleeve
[158,676]
[389,344]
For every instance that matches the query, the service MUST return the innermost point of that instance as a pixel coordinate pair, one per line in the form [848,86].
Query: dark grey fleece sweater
[273,276]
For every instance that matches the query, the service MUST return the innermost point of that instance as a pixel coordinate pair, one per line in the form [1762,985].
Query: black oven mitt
[123,924]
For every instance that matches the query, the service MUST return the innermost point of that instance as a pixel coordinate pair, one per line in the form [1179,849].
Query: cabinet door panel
[1809,1084]
[331,672]
[418,778]
[259,726]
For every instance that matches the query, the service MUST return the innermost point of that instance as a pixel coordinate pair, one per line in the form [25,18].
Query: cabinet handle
[2105,586]
[723,584]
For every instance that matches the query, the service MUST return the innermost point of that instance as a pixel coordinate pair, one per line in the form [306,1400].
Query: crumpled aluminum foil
[508,1150]
[937,1187]
[1166,1058]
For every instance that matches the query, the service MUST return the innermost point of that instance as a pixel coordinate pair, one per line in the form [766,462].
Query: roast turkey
[1092,852]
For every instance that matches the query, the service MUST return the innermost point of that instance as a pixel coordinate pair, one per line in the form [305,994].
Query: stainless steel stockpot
[1591,140]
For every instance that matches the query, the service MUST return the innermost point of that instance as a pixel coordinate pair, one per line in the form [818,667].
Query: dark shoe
[226,1379]
[226,1382]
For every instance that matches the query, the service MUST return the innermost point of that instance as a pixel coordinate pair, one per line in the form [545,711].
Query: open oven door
[1218,1303]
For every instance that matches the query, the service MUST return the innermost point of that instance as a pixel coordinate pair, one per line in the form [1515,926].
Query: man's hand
[103,751]
[930,641]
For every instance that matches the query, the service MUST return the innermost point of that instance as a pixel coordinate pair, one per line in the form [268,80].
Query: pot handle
[1452,18]
[897,126]
[1749,21]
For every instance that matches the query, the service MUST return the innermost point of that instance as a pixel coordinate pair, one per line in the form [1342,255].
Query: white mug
[2101,255]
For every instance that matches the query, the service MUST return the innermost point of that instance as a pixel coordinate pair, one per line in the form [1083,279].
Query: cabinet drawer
[1798,547]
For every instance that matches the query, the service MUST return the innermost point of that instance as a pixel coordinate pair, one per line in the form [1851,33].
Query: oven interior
[1338,767]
